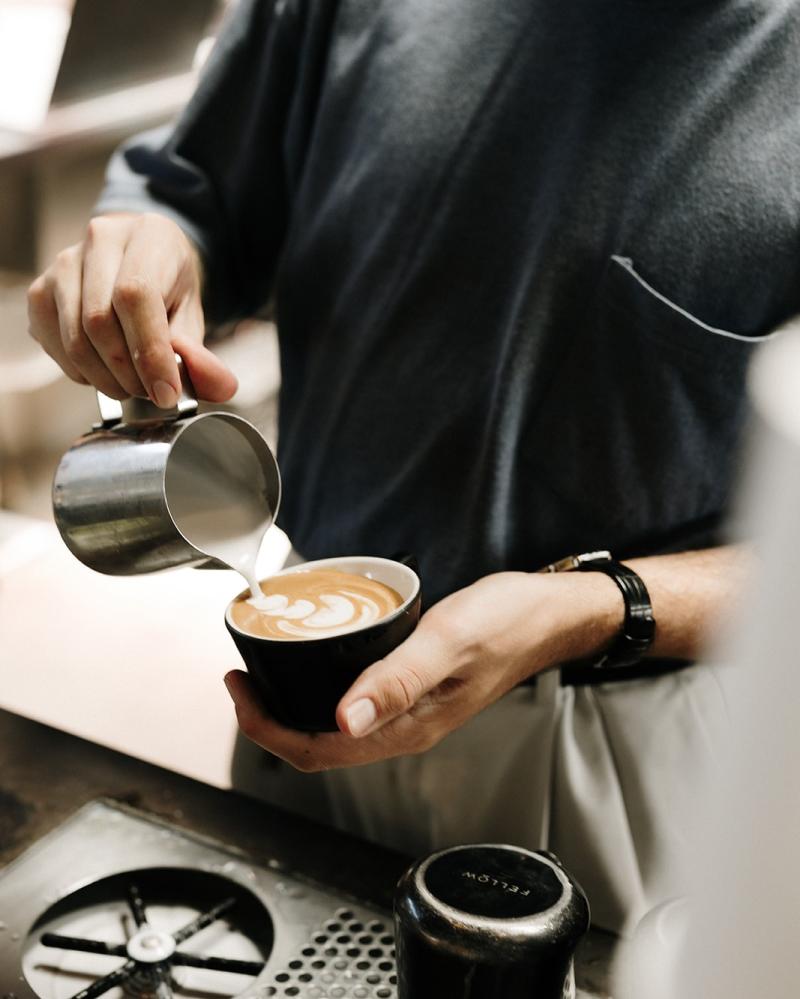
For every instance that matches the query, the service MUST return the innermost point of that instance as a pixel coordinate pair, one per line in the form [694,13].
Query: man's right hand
[114,310]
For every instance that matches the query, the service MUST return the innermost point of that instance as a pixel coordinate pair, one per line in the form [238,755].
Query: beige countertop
[120,660]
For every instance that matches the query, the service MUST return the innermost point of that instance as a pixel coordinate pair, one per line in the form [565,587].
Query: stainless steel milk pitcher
[148,489]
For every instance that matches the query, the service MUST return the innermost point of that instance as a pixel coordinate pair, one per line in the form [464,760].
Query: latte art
[317,603]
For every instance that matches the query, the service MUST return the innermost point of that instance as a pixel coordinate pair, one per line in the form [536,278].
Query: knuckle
[37,293]
[98,321]
[122,362]
[97,228]
[149,358]
[65,259]
[148,224]
[118,360]
[130,292]
[453,631]
[152,220]
[404,690]
[76,347]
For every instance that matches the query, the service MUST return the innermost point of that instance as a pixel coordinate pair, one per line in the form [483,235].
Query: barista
[520,255]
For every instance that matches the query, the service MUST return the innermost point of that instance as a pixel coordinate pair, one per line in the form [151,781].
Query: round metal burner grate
[155,933]
[347,957]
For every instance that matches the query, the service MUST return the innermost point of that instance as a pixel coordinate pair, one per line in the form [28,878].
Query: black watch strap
[639,626]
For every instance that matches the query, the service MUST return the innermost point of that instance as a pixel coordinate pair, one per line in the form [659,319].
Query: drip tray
[119,904]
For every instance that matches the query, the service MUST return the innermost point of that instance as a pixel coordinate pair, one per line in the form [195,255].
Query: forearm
[689,591]
[478,643]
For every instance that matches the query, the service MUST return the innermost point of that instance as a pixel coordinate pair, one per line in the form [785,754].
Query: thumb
[212,380]
[394,685]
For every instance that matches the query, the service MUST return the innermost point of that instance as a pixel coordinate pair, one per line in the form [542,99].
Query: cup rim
[319,564]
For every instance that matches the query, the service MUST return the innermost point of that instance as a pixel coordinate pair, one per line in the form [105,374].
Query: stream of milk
[218,495]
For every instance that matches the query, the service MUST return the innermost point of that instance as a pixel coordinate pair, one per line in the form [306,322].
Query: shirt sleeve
[226,169]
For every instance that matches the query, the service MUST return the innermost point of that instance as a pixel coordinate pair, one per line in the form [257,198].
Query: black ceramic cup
[301,682]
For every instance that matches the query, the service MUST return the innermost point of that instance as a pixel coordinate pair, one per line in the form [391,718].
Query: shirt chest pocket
[644,418]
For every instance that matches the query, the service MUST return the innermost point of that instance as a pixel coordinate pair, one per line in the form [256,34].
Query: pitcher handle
[137,412]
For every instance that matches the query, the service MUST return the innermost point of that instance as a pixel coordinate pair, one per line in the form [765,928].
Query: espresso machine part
[488,922]
[149,489]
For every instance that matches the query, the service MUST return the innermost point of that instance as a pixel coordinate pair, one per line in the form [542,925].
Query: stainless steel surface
[323,946]
[135,412]
[110,500]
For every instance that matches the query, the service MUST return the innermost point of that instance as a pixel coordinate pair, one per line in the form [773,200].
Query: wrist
[599,614]
[586,611]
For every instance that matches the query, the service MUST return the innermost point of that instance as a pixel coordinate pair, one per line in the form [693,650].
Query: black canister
[488,922]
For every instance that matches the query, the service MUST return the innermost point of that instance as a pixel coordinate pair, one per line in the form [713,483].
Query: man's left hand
[467,651]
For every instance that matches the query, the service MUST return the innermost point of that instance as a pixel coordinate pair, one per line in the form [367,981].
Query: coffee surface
[315,603]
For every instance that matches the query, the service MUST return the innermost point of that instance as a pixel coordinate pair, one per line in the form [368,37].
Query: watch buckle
[574,561]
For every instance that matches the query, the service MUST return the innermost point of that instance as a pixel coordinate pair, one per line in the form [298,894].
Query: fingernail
[228,681]
[361,716]
[164,395]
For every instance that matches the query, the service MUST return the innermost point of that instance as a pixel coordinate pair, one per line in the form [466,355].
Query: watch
[639,626]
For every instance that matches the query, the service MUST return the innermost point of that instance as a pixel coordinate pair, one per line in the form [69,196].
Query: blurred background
[76,79]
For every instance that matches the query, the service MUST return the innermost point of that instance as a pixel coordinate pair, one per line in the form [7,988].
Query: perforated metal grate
[350,956]
[322,948]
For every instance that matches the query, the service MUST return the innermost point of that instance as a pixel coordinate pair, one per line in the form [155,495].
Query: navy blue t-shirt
[519,251]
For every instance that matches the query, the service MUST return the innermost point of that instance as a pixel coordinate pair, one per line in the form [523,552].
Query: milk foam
[339,612]
[317,603]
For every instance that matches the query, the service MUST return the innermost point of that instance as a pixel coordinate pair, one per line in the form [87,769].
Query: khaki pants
[606,777]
